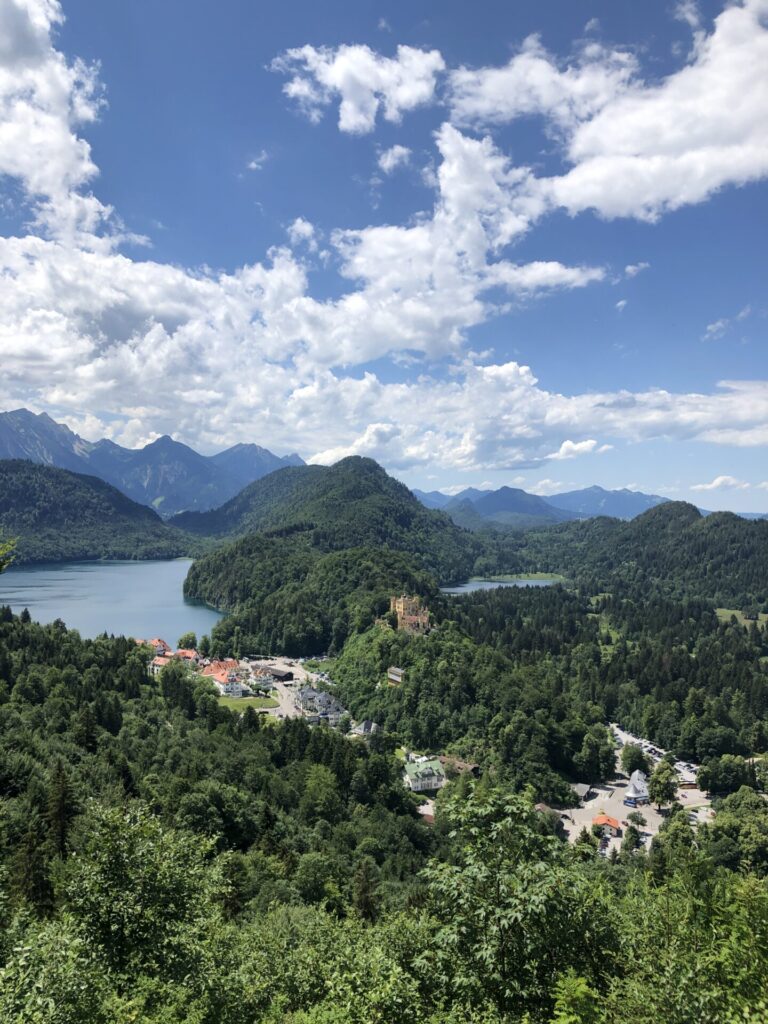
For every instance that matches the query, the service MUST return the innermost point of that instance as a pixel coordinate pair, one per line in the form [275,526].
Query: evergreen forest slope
[353,503]
[56,515]
[326,549]
[722,557]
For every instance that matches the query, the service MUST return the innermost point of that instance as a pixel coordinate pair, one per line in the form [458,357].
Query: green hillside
[351,504]
[326,549]
[56,515]
[721,557]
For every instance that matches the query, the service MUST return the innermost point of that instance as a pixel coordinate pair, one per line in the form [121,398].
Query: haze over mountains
[167,475]
[512,507]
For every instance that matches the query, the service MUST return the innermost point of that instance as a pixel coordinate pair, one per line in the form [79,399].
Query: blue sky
[501,244]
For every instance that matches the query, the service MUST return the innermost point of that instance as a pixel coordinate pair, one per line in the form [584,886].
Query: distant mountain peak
[165,474]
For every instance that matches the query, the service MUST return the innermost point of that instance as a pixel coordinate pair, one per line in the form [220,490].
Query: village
[288,688]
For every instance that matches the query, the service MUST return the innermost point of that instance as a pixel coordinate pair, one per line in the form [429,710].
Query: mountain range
[165,474]
[513,508]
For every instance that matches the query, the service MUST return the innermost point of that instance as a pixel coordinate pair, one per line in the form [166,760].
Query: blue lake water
[139,599]
[472,585]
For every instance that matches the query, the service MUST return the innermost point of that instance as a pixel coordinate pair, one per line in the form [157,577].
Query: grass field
[724,614]
[241,703]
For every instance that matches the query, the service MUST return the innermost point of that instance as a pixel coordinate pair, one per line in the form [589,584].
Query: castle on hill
[412,616]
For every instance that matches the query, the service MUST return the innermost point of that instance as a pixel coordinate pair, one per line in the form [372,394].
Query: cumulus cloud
[251,354]
[363,81]
[638,149]
[545,487]
[657,147]
[721,483]
[621,305]
[301,231]
[43,101]
[394,157]
[533,83]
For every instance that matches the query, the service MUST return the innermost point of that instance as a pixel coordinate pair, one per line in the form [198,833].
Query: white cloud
[394,157]
[720,483]
[301,231]
[545,487]
[43,101]
[633,269]
[621,305]
[716,329]
[652,148]
[257,162]
[224,357]
[638,149]
[762,486]
[532,83]
[570,449]
[363,81]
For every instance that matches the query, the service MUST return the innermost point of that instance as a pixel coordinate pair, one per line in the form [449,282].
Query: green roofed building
[424,775]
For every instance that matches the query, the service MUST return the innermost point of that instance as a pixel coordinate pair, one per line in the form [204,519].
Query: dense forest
[55,515]
[523,681]
[167,860]
[721,557]
[353,503]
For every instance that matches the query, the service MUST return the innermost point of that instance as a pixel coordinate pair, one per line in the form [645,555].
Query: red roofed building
[223,674]
[607,824]
[158,663]
[187,654]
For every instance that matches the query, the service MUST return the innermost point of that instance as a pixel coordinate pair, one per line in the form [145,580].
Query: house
[319,706]
[158,663]
[637,790]
[227,684]
[395,675]
[581,789]
[610,826]
[365,728]
[159,646]
[188,655]
[412,617]
[426,774]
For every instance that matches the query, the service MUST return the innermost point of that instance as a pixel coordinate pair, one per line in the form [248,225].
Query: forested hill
[326,549]
[57,515]
[351,504]
[721,557]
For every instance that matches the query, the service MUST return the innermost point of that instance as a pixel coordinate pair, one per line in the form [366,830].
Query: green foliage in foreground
[165,861]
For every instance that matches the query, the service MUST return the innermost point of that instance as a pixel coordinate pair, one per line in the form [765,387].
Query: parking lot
[609,799]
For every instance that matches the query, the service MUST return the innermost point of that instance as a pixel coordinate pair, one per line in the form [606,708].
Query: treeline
[165,860]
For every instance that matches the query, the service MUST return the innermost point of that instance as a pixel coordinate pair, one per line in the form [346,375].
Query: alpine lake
[141,599]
